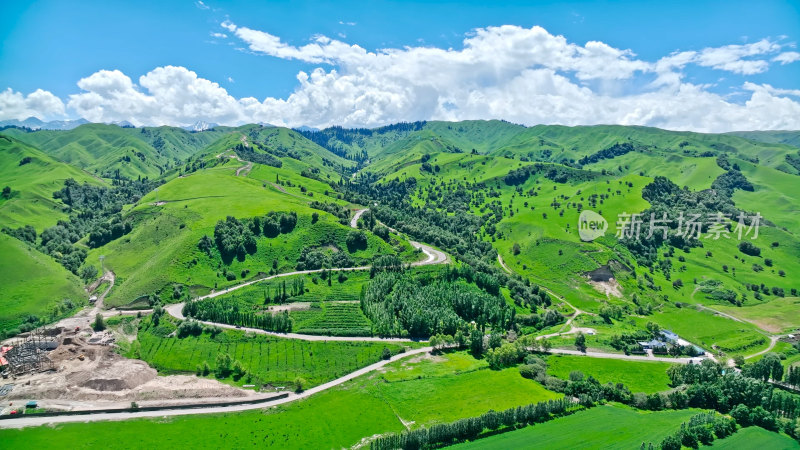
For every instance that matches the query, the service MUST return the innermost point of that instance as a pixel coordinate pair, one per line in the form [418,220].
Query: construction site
[69,369]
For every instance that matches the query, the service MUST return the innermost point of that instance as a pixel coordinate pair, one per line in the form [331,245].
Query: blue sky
[51,45]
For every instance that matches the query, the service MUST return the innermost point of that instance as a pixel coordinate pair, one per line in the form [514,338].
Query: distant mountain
[306,128]
[771,137]
[36,124]
[201,125]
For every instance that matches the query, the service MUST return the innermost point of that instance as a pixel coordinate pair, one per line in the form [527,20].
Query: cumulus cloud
[787,57]
[41,104]
[525,75]
[165,96]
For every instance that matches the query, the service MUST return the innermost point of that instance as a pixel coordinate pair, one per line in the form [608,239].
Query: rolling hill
[33,177]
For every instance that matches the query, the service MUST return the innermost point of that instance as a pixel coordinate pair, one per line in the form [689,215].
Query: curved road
[434,256]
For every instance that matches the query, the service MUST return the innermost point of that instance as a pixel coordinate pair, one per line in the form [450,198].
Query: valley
[420,282]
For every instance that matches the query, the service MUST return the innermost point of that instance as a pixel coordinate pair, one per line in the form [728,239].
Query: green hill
[33,177]
[111,151]
[162,250]
[34,284]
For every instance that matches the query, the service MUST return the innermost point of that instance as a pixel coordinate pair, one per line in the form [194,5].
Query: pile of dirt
[87,372]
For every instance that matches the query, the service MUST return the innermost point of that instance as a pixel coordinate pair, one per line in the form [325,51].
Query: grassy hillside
[771,137]
[162,249]
[560,143]
[33,177]
[34,284]
[108,150]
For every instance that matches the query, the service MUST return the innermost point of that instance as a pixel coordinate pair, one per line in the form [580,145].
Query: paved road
[356,216]
[32,421]
[626,357]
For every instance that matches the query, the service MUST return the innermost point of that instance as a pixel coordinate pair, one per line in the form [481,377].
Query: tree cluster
[400,305]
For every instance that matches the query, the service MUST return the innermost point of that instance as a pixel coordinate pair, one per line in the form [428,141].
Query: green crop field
[453,385]
[647,377]
[344,319]
[340,417]
[756,438]
[270,360]
[600,427]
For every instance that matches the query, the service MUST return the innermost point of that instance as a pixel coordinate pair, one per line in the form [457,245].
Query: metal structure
[30,354]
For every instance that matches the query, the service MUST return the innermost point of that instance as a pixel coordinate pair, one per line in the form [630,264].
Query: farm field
[333,419]
[647,377]
[756,438]
[461,387]
[610,426]
[269,360]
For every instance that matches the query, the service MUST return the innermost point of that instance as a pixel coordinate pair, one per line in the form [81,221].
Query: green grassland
[270,360]
[33,284]
[32,185]
[709,330]
[756,438]
[444,388]
[610,426]
[331,419]
[774,195]
[564,142]
[779,315]
[697,173]
[647,377]
[162,249]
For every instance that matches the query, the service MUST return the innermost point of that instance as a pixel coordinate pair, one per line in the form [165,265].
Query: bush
[99,324]
[749,249]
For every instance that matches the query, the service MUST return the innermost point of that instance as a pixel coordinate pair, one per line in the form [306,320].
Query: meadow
[269,360]
[609,426]
[708,330]
[32,185]
[756,438]
[647,377]
[34,284]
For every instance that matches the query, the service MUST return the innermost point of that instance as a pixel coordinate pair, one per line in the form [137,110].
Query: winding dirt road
[434,256]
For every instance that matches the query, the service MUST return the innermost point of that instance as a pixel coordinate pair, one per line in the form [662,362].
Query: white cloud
[731,57]
[201,5]
[219,35]
[41,104]
[525,75]
[787,57]
[165,96]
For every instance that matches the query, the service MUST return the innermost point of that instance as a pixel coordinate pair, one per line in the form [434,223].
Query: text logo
[591,225]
